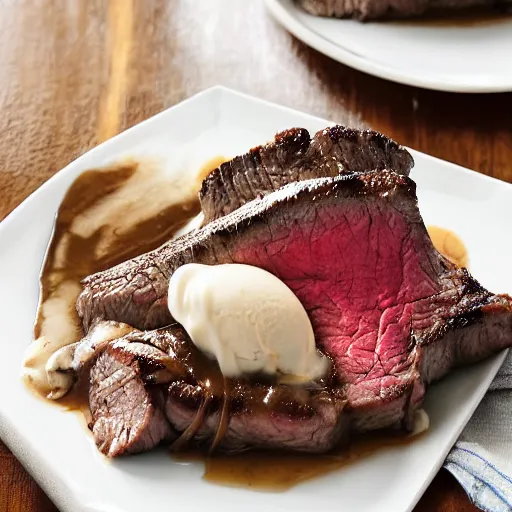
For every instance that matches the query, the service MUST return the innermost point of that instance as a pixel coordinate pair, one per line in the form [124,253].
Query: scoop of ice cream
[247,319]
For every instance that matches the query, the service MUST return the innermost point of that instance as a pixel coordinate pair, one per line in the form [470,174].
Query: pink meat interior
[359,276]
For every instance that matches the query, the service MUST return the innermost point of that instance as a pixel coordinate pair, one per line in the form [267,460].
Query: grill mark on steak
[294,156]
[372,9]
[389,310]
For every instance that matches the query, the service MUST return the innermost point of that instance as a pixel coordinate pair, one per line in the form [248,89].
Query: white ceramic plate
[56,448]
[447,58]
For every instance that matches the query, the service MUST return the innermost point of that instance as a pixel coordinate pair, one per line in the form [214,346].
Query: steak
[127,414]
[241,414]
[386,307]
[260,416]
[318,420]
[373,9]
[134,407]
[294,156]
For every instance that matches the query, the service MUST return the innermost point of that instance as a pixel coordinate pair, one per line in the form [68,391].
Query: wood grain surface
[74,73]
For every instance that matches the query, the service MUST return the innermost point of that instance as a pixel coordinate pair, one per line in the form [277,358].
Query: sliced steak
[372,9]
[126,404]
[389,310]
[281,417]
[130,398]
[240,415]
[262,416]
[353,242]
[294,156]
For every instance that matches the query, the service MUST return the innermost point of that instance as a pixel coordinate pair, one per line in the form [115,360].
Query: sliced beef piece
[130,398]
[372,9]
[239,414]
[173,341]
[385,305]
[294,156]
[126,404]
[318,420]
[261,416]
[246,415]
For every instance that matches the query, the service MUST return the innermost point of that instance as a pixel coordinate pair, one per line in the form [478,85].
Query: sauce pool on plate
[449,245]
[107,216]
[278,472]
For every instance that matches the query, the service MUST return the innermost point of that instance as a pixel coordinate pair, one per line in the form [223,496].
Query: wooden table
[74,73]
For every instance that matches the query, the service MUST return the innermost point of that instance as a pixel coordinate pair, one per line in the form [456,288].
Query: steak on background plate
[373,9]
[391,313]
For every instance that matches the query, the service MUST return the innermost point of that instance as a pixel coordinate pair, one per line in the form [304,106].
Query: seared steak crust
[295,156]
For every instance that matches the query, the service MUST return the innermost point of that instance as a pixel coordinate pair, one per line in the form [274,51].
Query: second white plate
[468,57]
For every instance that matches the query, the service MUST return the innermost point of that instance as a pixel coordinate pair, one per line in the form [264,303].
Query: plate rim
[68,498]
[282,15]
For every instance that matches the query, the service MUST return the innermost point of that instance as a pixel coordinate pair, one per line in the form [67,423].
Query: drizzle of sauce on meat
[449,245]
[108,215]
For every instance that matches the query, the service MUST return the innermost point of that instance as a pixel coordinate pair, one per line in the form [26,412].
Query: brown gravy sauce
[107,216]
[470,17]
[278,472]
[77,400]
[449,245]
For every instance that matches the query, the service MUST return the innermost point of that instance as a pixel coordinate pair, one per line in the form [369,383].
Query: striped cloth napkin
[481,460]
